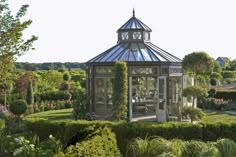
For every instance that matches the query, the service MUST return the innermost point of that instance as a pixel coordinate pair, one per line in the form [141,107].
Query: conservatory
[154,76]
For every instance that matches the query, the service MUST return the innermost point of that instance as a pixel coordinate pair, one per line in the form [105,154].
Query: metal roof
[134,24]
[135,52]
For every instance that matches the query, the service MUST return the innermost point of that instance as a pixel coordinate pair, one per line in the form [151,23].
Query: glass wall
[175,96]
[103,96]
[144,90]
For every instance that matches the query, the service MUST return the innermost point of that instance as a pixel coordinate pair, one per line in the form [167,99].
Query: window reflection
[103,95]
[124,35]
[137,35]
[104,70]
[144,70]
[144,95]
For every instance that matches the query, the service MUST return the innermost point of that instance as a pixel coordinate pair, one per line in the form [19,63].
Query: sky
[78,30]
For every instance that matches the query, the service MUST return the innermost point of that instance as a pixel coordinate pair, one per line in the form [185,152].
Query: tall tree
[197,64]
[12,44]
[30,94]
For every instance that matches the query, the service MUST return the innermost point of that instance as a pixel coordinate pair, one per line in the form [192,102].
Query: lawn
[218,116]
[53,115]
[65,114]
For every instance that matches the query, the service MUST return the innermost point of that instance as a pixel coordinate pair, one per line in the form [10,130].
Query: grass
[218,116]
[65,114]
[54,115]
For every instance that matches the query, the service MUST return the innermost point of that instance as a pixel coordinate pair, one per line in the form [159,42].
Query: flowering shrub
[22,147]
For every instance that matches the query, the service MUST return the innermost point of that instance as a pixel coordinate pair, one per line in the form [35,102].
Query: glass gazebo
[154,76]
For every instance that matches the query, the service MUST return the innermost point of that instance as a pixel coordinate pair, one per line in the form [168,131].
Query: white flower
[17,151]
[31,145]
[50,136]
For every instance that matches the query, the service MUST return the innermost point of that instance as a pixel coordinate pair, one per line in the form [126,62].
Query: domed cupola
[133,30]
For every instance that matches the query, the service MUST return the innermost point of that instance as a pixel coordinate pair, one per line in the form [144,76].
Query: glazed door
[161,100]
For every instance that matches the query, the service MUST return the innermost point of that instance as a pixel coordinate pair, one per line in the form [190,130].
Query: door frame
[162,113]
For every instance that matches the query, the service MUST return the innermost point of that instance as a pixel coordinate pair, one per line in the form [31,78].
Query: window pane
[137,35]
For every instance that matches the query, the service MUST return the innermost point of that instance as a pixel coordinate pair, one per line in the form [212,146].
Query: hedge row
[67,130]
[226,95]
[53,96]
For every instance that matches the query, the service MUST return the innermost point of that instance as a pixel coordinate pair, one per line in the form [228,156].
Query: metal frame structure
[151,62]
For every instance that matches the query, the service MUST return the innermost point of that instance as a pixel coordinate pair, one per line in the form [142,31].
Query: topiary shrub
[194,114]
[18,107]
[120,92]
[213,81]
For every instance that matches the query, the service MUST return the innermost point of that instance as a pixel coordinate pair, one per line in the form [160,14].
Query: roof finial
[133,12]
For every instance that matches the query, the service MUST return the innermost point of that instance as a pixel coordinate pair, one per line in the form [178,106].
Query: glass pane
[161,93]
[125,35]
[137,35]
[146,55]
[144,70]
[103,96]
[164,70]
[104,70]
[99,93]
[144,95]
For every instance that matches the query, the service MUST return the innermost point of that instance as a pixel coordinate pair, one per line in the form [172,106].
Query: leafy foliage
[11,41]
[226,147]
[18,107]
[102,143]
[193,113]
[120,92]
[198,63]
[213,81]
[30,94]
[153,147]
[195,92]
[212,92]
[216,76]
[20,146]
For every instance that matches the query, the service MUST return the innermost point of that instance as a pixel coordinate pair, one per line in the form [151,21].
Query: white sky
[78,30]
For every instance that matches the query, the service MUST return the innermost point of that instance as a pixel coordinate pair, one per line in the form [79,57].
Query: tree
[216,76]
[233,64]
[30,94]
[18,107]
[193,113]
[198,63]
[217,68]
[195,92]
[12,45]
[120,92]
[66,77]
[3,88]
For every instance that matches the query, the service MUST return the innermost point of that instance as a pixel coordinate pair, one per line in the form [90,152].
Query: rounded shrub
[193,113]
[18,107]
[213,81]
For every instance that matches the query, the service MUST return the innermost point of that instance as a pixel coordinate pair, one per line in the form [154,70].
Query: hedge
[53,96]
[2,124]
[66,130]
[102,143]
[226,95]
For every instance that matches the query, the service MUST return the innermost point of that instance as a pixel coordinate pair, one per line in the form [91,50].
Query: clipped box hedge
[226,95]
[66,130]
